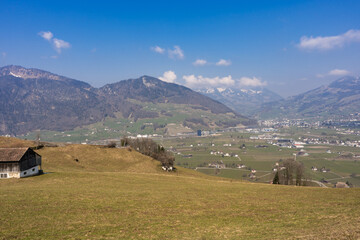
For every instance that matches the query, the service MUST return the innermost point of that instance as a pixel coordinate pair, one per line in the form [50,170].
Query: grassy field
[120,194]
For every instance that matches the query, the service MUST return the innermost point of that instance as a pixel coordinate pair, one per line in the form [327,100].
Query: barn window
[25,173]
[3,175]
[33,169]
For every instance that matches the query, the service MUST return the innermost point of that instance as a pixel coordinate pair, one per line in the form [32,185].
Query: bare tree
[299,174]
[150,148]
[290,170]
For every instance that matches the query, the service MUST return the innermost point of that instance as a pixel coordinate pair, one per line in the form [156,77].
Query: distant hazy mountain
[244,101]
[339,98]
[32,99]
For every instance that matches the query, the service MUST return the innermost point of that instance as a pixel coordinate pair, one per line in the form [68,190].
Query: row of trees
[290,172]
[150,148]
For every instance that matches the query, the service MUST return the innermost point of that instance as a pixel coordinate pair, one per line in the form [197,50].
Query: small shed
[19,162]
[341,185]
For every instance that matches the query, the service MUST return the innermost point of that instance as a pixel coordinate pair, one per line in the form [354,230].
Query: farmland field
[195,153]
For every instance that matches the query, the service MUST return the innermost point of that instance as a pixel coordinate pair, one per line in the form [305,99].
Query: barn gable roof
[12,154]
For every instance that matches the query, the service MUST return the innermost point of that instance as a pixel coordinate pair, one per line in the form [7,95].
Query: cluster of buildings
[217,165]
[323,169]
[222,154]
[346,125]
[220,164]
[277,140]
[261,130]
[286,123]
[286,143]
[330,141]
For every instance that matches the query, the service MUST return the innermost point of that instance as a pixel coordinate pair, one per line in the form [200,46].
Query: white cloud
[158,49]
[334,72]
[46,35]
[60,44]
[251,82]
[168,76]
[339,72]
[200,62]
[329,42]
[223,62]
[57,43]
[200,81]
[177,52]
[3,54]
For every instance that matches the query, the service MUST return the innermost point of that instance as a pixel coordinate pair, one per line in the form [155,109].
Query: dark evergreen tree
[276,178]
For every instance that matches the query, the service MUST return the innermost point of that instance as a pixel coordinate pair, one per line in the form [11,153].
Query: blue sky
[286,46]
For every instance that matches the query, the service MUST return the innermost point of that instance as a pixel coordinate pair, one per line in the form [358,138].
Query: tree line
[290,172]
[150,148]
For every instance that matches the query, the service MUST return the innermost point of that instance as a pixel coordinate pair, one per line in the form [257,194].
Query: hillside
[244,101]
[90,158]
[104,199]
[149,89]
[340,98]
[32,99]
[15,142]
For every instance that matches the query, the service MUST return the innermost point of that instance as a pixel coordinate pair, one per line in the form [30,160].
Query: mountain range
[339,98]
[33,99]
[245,101]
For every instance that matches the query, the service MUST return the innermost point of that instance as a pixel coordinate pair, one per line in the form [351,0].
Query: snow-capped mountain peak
[245,101]
[221,89]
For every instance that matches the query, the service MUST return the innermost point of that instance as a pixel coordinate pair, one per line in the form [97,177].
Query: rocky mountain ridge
[32,99]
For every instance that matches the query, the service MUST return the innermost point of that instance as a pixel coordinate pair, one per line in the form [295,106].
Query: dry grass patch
[117,194]
[7,142]
[121,205]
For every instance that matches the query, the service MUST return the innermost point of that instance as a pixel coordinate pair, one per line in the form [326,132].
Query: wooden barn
[19,162]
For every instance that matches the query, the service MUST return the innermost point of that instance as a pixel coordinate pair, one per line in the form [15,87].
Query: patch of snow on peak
[250,91]
[255,92]
[221,89]
[13,74]
[244,90]
[210,90]
[148,84]
[230,90]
